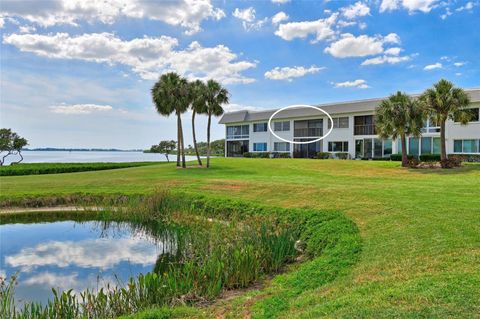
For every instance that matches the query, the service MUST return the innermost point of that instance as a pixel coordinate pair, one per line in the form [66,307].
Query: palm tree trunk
[443,149]
[178,140]
[404,151]
[208,138]
[183,148]
[195,139]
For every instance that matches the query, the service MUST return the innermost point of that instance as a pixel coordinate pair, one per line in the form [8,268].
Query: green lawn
[420,228]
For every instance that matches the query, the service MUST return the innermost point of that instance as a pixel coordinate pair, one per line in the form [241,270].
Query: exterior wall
[453,131]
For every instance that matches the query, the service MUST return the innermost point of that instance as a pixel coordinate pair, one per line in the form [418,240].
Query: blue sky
[78,74]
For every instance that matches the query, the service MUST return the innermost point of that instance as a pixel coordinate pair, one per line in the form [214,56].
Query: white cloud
[351,46]
[458,74]
[468,6]
[411,5]
[280,1]
[358,9]
[393,51]
[279,17]
[447,13]
[2,22]
[386,59]
[247,16]
[79,108]
[361,84]
[459,63]
[86,253]
[392,38]
[321,29]
[148,56]
[185,13]
[27,29]
[433,66]
[389,5]
[233,107]
[287,73]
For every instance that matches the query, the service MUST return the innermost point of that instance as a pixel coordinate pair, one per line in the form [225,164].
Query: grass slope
[420,229]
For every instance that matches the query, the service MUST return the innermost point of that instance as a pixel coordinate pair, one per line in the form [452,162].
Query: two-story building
[353,132]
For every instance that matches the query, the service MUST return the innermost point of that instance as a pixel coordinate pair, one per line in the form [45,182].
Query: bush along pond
[161,250]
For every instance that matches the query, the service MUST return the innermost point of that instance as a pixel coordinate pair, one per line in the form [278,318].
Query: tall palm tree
[399,116]
[445,101]
[215,96]
[171,94]
[198,106]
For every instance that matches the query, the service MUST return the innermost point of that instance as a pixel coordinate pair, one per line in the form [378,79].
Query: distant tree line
[173,94]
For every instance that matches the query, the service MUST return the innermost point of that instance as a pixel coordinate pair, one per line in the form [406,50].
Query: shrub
[342,156]
[257,154]
[398,157]
[466,157]
[451,162]
[430,157]
[324,155]
[56,168]
[280,155]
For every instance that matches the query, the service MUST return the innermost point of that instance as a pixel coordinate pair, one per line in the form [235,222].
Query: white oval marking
[299,106]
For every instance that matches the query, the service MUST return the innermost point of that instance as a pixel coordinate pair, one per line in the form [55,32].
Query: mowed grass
[420,228]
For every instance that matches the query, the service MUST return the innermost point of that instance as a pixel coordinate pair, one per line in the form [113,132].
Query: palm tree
[399,116]
[445,101]
[198,106]
[171,94]
[215,96]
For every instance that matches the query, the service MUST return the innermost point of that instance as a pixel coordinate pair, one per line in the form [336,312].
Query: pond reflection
[80,255]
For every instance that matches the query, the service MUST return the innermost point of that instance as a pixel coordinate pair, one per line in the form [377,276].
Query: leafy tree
[399,116]
[445,101]
[198,106]
[172,94]
[164,147]
[215,96]
[11,144]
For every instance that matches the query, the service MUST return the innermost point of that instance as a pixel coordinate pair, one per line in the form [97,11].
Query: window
[260,127]
[430,126]
[259,147]
[308,128]
[237,132]
[413,143]
[466,146]
[339,122]
[338,146]
[281,126]
[426,147]
[364,125]
[474,115]
[387,147]
[373,147]
[281,147]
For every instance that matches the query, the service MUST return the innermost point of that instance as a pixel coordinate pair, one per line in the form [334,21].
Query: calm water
[86,157]
[78,255]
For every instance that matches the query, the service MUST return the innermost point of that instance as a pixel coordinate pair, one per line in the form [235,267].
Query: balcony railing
[307,132]
[367,129]
[237,137]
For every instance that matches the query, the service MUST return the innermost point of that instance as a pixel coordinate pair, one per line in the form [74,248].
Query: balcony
[365,129]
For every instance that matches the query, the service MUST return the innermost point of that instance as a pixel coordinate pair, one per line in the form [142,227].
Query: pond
[79,255]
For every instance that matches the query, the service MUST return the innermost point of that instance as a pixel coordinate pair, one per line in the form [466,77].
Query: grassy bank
[56,168]
[243,244]
[420,228]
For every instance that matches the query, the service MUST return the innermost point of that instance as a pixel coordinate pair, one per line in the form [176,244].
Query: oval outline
[297,106]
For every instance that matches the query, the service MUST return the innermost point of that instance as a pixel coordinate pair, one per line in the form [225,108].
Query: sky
[78,73]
